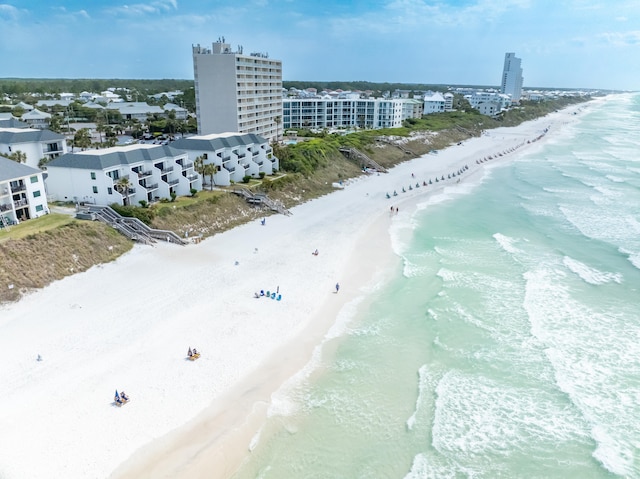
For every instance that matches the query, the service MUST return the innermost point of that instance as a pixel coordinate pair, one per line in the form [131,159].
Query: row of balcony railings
[144,174]
[186,166]
[5,207]
[20,203]
[18,188]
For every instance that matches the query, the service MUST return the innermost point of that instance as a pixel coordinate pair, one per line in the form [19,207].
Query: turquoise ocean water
[508,343]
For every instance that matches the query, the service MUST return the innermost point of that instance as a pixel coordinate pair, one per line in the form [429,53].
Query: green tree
[82,138]
[277,120]
[17,156]
[122,186]
[210,169]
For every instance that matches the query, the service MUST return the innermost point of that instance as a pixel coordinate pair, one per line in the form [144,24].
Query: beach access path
[128,325]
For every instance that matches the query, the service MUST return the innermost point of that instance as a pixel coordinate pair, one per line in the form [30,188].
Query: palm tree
[277,120]
[82,138]
[210,169]
[122,186]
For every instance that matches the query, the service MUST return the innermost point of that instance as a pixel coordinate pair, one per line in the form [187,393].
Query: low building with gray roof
[38,145]
[235,155]
[123,175]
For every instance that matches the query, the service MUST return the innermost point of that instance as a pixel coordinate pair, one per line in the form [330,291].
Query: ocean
[507,344]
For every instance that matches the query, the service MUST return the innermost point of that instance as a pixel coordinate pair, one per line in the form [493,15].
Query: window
[95,189]
[109,190]
[34,179]
[39,208]
[93,175]
[36,193]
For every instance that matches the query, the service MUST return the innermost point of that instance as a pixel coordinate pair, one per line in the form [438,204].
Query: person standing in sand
[337,287]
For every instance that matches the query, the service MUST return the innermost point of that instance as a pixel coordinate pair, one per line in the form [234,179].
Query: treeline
[21,86]
[373,86]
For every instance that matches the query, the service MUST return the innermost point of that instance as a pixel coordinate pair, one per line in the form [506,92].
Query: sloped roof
[12,123]
[10,170]
[173,106]
[218,141]
[27,135]
[36,114]
[111,157]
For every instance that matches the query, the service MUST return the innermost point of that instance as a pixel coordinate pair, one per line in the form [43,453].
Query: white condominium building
[123,175]
[512,77]
[320,113]
[237,92]
[22,193]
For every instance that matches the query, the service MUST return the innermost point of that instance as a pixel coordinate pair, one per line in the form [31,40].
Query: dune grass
[34,226]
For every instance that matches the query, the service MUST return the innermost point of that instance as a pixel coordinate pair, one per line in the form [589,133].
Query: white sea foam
[634,258]
[616,179]
[615,456]
[593,354]
[426,382]
[589,274]
[497,417]
[506,243]
[428,467]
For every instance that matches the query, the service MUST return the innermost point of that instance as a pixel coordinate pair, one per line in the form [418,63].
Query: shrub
[193,192]
[173,196]
[262,174]
[143,204]
[145,215]
[246,179]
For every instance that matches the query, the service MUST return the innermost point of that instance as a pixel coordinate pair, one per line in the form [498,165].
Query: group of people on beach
[121,398]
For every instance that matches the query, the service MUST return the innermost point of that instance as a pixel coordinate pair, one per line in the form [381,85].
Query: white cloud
[8,11]
[621,39]
[159,6]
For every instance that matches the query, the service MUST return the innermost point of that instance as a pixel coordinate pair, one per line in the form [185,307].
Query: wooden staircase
[366,162]
[132,228]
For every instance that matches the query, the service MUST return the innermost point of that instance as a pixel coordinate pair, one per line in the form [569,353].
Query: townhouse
[123,175]
[233,155]
[37,145]
[22,192]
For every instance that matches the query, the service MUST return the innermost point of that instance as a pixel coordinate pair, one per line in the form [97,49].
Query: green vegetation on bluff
[33,259]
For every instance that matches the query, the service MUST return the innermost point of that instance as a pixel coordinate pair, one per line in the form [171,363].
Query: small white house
[36,144]
[22,192]
[434,103]
[489,108]
[123,175]
[36,118]
[235,155]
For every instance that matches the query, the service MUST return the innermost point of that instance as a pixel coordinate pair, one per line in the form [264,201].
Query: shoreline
[132,321]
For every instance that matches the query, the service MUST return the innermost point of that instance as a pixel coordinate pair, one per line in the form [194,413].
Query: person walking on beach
[337,287]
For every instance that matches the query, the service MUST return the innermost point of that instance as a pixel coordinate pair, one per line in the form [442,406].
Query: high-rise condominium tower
[237,92]
[512,76]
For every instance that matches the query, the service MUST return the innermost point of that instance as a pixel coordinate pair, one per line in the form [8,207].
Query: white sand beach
[128,325]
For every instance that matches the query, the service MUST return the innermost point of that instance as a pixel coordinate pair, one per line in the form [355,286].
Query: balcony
[192,178]
[5,207]
[169,169]
[20,203]
[18,188]
[150,187]
[173,182]
[186,166]
[144,174]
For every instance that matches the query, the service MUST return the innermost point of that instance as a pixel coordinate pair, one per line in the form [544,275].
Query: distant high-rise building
[236,92]
[512,76]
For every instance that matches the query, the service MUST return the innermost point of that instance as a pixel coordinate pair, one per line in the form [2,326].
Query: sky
[562,43]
